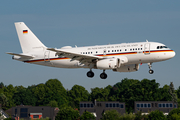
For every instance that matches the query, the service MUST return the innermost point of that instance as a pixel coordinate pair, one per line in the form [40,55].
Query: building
[3,114]
[98,107]
[148,106]
[33,112]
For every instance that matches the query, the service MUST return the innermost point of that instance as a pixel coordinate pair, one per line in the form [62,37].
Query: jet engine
[127,68]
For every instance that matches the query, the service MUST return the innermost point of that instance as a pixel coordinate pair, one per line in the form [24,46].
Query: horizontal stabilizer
[21,55]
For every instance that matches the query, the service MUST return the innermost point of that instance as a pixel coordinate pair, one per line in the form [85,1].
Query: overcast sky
[61,23]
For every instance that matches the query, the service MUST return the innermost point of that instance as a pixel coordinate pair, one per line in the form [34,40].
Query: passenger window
[157,47]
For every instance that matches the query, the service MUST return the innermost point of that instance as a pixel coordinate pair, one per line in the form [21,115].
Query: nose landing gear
[150,70]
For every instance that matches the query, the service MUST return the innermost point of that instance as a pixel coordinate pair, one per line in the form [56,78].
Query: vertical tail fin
[29,42]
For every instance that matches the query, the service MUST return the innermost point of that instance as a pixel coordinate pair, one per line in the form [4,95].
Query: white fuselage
[136,53]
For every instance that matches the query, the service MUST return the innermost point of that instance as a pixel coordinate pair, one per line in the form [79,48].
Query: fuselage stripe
[115,54]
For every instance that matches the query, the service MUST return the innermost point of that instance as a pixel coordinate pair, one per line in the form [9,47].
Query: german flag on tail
[25,31]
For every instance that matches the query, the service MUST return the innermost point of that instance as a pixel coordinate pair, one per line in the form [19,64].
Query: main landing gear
[103,75]
[150,70]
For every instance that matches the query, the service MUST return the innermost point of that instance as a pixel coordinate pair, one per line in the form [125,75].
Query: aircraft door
[46,56]
[147,48]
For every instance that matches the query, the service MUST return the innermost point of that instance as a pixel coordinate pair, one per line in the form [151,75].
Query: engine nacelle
[127,68]
[111,63]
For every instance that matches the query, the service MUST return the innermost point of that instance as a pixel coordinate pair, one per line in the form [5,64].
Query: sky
[61,23]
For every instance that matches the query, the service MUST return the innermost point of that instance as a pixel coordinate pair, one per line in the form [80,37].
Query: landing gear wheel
[103,75]
[90,74]
[151,71]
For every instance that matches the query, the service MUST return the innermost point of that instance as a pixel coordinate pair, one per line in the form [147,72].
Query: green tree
[173,114]
[77,94]
[3,100]
[53,103]
[39,93]
[172,93]
[156,115]
[111,115]
[9,91]
[67,113]
[87,116]
[55,91]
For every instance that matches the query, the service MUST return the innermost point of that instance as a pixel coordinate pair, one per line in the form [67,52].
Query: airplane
[124,57]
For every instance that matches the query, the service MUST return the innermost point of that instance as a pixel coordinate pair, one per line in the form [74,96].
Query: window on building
[110,105]
[23,112]
[117,104]
[88,105]
[107,105]
[114,105]
[164,105]
[145,105]
[167,105]
[81,105]
[35,116]
[121,106]
[171,105]
[84,105]
[149,105]
[160,105]
[15,111]
[142,105]
[137,105]
[92,105]
[175,106]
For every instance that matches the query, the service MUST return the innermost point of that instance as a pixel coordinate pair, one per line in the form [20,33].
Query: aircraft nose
[173,54]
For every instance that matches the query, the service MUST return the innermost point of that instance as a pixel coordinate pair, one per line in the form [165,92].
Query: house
[147,106]
[97,108]
[33,112]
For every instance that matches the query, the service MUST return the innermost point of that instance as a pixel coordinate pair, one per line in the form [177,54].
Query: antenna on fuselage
[146,40]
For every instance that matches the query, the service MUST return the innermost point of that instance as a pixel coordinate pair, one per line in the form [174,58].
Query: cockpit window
[161,47]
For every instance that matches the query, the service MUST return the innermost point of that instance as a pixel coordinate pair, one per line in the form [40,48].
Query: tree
[3,100]
[87,116]
[111,115]
[55,91]
[77,94]
[156,115]
[173,114]
[67,113]
[172,93]
[53,103]
[9,91]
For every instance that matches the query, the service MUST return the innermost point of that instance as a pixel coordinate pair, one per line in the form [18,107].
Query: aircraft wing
[21,55]
[75,56]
